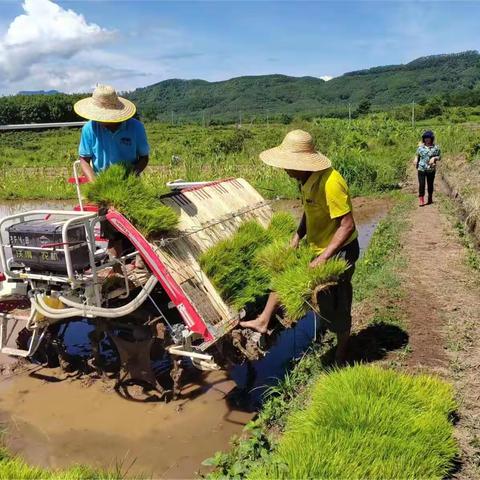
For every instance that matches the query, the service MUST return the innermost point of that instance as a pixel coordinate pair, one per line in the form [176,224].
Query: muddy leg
[95,338]
[176,374]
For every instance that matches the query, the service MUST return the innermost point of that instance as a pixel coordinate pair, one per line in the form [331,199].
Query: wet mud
[54,419]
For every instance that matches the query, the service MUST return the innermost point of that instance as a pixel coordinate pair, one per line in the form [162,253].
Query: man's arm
[300,233]
[345,229]
[87,168]
[141,165]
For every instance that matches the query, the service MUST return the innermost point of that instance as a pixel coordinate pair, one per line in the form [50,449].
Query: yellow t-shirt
[325,198]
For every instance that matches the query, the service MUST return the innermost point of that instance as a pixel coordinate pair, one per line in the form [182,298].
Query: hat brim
[302,161]
[86,108]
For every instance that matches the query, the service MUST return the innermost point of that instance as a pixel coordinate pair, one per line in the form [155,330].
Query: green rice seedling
[118,188]
[229,265]
[295,285]
[15,468]
[282,225]
[151,220]
[254,261]
[275,257]
[365,422]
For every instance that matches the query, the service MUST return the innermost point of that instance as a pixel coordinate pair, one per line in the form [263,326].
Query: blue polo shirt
[106,148]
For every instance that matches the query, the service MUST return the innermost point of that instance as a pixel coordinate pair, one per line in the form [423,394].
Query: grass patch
[15,468]
[254,261]
[384,424]
[191,152]
[377,267]
[117,187]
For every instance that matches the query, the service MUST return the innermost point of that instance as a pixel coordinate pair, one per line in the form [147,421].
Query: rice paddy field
[372,153]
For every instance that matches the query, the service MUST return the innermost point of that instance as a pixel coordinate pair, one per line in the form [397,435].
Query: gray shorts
[335,303]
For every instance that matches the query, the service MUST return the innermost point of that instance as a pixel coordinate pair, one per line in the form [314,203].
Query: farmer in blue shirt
[112,135]
[426,158]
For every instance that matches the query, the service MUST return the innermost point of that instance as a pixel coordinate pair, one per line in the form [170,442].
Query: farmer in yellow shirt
[327,223]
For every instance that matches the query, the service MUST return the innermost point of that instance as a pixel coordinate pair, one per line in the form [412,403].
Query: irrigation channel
[54,419]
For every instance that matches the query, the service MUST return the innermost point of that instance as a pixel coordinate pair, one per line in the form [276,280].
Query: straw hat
[105,106]
[296,152]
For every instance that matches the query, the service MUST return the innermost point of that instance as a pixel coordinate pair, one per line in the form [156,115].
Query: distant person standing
[426,158]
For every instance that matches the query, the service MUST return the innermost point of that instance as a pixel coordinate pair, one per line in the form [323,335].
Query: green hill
[438,75]
[454,78]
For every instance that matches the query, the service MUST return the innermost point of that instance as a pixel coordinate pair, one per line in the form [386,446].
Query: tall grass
[364,422]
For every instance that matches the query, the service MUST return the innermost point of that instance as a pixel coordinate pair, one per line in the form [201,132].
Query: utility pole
[240,119]
[349,113]
[203,119]
[267,120]
[413,114]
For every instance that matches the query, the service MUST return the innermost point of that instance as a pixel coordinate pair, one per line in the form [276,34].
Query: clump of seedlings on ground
[125,191]
[368,422]
[258,260]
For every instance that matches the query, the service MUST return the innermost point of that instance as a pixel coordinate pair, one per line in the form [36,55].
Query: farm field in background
[372,153]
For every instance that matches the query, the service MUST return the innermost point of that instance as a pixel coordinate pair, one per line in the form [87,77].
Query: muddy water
[55,421]
[13,207]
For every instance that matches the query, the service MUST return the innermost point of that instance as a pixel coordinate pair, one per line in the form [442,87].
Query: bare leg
[342,345]
[260,324]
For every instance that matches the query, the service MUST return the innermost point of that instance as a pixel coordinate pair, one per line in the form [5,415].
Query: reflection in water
[291,344]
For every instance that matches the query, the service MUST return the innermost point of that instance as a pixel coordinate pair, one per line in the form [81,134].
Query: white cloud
[44,32]
[326,77]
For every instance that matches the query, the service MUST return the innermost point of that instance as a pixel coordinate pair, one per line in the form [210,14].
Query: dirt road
[442,310]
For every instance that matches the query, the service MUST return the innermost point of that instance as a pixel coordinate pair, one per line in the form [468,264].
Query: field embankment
[461,173]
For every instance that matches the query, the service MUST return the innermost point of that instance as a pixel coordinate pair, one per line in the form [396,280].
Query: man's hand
[87,169]
[318,261]
[415,162]
[141,165]
[295,241]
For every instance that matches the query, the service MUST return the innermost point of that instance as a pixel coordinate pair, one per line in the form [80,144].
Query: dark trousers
[335,303]
[429,177]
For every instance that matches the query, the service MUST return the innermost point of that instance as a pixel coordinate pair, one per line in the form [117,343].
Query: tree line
[38,108]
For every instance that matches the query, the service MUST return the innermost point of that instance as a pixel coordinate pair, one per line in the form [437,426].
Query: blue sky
[71,45]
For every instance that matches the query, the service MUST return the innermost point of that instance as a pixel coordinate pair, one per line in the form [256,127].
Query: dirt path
[442,308]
